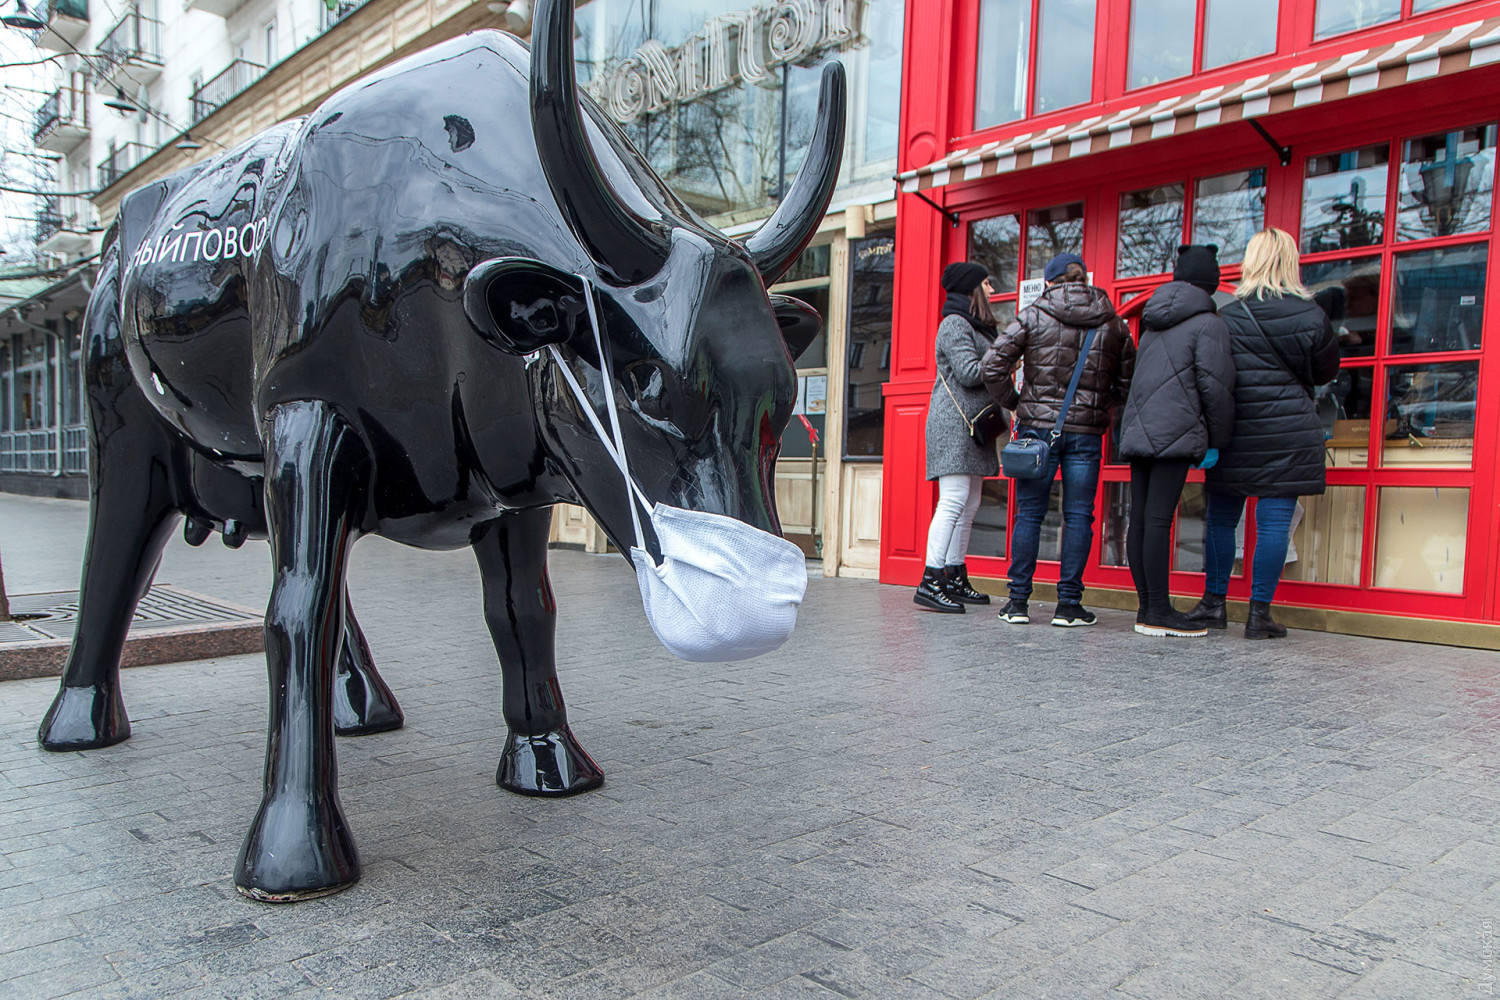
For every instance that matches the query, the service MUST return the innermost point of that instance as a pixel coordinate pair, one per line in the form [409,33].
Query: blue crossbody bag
[1026,456]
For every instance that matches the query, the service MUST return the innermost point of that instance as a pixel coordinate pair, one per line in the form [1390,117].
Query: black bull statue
[343,327]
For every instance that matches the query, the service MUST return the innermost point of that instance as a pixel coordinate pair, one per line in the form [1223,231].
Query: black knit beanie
[1198,265]
[963,276]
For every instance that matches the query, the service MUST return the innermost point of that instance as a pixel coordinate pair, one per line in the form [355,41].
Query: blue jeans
[1078,456]
[1273,527]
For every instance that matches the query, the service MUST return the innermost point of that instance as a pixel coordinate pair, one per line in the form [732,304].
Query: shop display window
[1116,523]
[1349,292]
[996,243]
[872,274]
[991,521]
[1328,537]
[1438,299]
[808,279]
[1165,36]
[1336,17]
[1446,184]
[1063,46]
[1187,545]
[1343,199]
[1430,414]
[1051,231]
[1150,230]
[1228,210]
[1421,537]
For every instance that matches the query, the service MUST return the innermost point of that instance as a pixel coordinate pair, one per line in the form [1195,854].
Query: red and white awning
[1420,57]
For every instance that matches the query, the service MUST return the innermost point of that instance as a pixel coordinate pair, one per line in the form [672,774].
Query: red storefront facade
[1374,144]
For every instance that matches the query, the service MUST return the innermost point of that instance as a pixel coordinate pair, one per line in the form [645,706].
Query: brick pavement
[896,805]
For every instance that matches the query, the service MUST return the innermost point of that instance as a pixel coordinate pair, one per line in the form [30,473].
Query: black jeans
[1155,487]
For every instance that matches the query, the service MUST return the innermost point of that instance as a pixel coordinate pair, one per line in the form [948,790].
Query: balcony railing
[67,110]
[339,11]
[67,23]
[135,39]
[222,86]
[121,160]
[49,219]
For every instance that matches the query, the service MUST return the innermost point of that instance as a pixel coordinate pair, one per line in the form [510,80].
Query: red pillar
[926,127]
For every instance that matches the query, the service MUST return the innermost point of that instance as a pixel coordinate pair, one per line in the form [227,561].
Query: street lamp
[23,19]
[187,143]
[121,103]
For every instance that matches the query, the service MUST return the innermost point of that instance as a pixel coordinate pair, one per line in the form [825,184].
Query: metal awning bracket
[952,217]
[1285,152]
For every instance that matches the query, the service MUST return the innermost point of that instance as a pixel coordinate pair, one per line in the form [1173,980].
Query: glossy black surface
[368,360]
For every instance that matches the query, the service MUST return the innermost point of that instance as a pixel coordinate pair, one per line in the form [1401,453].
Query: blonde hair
[1271,267]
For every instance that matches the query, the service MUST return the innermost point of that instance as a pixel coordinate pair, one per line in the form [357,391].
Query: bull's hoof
[550,763]
[84,718]
[361,708]
[297,850]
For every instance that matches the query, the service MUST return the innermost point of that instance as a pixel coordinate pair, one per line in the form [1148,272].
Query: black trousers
[1155,487]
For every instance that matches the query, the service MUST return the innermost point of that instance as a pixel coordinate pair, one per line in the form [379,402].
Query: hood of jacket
[1174,303]
[1076,304]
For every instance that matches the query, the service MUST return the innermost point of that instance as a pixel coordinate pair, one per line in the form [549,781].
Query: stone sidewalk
[895,805]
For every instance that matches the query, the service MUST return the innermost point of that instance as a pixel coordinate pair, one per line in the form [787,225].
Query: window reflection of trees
[1150,230]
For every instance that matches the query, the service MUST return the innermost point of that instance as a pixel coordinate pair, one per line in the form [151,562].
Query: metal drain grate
[162,608]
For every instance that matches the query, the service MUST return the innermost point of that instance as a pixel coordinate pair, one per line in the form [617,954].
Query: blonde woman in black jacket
[1180,413]
[1284,348]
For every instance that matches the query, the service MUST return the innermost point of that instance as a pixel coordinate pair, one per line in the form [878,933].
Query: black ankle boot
[959,586]
[1210,612]
[1260,626]
[932,593]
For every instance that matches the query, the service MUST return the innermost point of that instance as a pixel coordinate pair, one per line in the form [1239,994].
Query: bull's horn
[627,248]
[775,245]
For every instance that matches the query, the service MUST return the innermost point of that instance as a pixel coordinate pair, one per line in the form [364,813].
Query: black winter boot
[1210,612]
[932,593]
[959,586]
[1260,626]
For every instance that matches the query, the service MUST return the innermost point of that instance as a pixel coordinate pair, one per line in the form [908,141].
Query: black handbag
[1026,456]
[986,426]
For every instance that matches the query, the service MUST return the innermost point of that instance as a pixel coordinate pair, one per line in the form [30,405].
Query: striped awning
[1420,57]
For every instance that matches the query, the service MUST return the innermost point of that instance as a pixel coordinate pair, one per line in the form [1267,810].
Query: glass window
[1437,303]
[1050,544]
[1328,537]
[1429,418]
[1116,524]
[1150,230]
[1004,55]
[1349,292]
[1344,410]
[1228,210]
[989,534]
[1162,36]
[1446,184]
[1420,538]
[1335,17]
[1187,549]
[1343,199]
[996,243]
[1051,231]
[871,285]
[882,86]
[1418,6]
[1238,30]
[1065,54]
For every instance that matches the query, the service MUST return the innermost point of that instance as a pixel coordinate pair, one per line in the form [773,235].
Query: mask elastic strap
[616,447]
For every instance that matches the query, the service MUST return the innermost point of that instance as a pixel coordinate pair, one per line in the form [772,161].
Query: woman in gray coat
[958,464]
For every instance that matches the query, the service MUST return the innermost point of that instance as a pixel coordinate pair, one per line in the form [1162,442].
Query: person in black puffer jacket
[1179,415]
[1284,348]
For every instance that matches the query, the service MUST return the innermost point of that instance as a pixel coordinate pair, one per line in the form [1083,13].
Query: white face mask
[725,590]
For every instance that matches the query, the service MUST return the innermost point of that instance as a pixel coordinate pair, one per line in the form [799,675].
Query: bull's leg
[362,703]
[541,755]
[131,515]
[299,844]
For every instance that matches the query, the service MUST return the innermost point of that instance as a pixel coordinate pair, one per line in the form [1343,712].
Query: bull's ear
[521,305]
[800,322]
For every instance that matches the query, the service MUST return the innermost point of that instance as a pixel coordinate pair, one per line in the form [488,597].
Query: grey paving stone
[896,805]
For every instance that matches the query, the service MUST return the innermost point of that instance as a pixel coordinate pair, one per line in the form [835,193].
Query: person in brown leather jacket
[1044,340]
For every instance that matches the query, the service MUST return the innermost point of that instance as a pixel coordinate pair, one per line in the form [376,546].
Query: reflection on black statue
[354,324]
